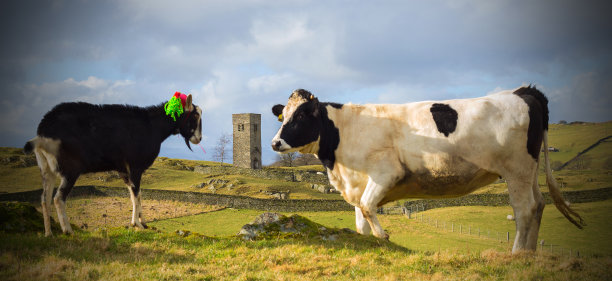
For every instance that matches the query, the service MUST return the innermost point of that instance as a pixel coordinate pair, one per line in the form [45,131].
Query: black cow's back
[101,137]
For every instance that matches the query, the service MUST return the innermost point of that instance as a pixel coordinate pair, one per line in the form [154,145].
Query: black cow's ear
[278,109]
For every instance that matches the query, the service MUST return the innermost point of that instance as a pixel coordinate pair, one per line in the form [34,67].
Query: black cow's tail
[30,145]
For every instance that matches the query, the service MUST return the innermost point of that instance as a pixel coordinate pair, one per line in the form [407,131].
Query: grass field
[120,254]
[416,251]
[419,235]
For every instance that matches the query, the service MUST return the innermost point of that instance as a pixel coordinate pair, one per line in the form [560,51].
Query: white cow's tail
[555,193]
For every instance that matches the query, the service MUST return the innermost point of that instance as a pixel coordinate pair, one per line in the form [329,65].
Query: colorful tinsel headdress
[175,105]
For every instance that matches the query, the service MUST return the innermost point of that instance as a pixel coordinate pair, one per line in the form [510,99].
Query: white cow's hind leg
[532,236]
[363,227]
[528,207]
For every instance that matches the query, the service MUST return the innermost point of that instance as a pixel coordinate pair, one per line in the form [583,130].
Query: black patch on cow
[330,137]
[304,126]
[335,105]
[538,118]
[445,118]
[310,122]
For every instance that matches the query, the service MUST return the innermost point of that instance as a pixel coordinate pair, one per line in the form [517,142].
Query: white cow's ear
[277,110]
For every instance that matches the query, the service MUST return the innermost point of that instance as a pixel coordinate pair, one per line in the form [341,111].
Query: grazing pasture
[417,235]
[119,253]
[106,250]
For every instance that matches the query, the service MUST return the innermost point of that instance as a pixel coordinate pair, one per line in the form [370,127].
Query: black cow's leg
[134,187]
[60,201]
[48,182]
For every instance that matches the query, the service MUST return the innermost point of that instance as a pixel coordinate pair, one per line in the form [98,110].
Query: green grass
[125,254]
[419,235]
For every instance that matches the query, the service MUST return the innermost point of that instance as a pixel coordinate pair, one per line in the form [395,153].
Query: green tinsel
[174,105]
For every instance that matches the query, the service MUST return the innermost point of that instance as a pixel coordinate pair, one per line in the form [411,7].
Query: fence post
[470,230]
[507,236]
[551,248]
[460,230]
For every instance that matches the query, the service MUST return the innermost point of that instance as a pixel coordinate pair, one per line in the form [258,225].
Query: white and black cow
[77,138]
[378,153]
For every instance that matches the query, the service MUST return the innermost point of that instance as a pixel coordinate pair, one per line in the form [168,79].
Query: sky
[245,56]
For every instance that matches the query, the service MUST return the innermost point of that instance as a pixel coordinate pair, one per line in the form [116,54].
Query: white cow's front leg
[363,226]
[372,195]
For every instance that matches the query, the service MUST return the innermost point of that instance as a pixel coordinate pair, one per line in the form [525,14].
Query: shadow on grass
[148,246]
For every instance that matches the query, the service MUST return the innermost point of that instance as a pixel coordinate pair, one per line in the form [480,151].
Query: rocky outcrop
[275,225]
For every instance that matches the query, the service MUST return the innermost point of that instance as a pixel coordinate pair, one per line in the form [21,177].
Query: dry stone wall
[293,205]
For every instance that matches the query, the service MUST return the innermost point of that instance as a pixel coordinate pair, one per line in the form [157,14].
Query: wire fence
[415,212]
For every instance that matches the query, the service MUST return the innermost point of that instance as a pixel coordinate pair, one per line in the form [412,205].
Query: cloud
[24,107]
[586,98]
[244,56]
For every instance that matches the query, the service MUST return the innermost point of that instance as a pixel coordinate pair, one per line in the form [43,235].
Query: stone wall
[238,202]
[293,205]
[581,196]
[266,173]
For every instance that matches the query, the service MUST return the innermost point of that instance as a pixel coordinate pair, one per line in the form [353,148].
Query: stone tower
[247,140]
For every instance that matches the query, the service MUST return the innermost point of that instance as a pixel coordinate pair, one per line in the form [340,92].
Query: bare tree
[288,159]
[221,147]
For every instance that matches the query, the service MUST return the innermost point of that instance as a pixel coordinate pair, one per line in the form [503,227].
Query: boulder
[275,225]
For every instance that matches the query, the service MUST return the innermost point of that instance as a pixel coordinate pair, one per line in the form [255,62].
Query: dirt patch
[95,212]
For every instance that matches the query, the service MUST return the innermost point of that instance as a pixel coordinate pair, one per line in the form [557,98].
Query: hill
[571,139]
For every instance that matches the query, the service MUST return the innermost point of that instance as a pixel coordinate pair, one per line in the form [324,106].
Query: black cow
[77,138]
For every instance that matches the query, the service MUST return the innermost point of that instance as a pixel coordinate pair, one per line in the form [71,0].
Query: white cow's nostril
[276,145]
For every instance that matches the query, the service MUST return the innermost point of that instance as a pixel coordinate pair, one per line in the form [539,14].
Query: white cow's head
[302,123]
